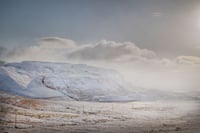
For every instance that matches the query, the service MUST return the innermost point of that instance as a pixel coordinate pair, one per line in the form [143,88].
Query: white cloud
[56,42]
[110,50]
[46,49]
[188,60]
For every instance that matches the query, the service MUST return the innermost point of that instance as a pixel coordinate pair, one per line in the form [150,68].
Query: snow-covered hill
[77,81]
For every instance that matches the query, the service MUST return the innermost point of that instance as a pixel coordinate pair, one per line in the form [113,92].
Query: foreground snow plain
[19,115]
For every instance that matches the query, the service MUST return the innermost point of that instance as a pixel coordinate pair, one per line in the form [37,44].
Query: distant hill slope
[77,81]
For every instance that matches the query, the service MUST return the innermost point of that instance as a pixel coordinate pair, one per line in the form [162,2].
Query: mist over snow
[142,68]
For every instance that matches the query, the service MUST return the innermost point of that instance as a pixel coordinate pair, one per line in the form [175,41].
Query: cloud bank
[65,50]
[110,50]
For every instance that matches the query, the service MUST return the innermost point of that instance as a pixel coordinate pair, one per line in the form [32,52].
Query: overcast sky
[168,27]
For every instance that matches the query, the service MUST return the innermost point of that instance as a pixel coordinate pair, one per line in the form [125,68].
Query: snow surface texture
[77,81]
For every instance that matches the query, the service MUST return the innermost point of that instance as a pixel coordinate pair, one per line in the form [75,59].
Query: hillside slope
[77,81]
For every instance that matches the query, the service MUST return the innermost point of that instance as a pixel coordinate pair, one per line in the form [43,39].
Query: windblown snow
[77,81]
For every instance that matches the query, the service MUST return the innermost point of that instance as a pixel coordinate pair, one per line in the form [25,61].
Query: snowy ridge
[77,81]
